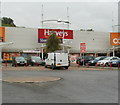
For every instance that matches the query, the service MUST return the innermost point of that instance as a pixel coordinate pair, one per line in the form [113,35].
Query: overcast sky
[82,15]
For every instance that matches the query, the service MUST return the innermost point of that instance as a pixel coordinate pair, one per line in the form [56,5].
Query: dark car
[115,62]
[35,60]
[78,59]
[17,61]
[93,62]
[84,59]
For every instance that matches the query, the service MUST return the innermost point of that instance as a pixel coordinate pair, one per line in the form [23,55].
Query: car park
[35,60]
[93,62]
[84,59]
[19,61]
[105,62]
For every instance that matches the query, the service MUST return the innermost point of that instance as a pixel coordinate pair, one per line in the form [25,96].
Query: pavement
[73,66]
[30,79]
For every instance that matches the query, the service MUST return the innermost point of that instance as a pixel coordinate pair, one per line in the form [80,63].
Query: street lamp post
[63,37]
[42,50]
[66,21]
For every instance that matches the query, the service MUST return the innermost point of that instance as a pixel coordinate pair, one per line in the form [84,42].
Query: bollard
[37,64]
[110,64]
[16,65]
[96,64]
[26,64]
[118,65]
[78,63]
[102,64]
[87,64]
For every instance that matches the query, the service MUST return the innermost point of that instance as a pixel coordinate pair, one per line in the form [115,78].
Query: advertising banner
[61,33]
[9,56]
[82,47]
[12,55]
[2,34]
[6,56]
[114,38]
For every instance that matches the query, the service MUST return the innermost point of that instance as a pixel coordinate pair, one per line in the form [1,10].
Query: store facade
[27,42]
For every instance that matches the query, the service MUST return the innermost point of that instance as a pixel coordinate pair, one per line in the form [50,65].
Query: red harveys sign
[61,33]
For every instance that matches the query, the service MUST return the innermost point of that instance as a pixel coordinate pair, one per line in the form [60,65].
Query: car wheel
[12,65]
[53,67]
[45,66]
[31,64]
[15,65]
[66,67]
[107,65]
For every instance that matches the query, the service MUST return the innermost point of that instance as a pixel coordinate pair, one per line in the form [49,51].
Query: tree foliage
[53,43]
[8,22]
[86,30]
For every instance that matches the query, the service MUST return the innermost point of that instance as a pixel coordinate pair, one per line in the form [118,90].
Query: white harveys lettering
[58,33]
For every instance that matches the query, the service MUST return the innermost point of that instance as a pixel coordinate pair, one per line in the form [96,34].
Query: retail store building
[26,42]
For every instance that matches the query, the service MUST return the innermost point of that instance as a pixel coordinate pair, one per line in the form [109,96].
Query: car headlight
[18,62]
[92,61]
[33,60]
[99,62]
[25,61]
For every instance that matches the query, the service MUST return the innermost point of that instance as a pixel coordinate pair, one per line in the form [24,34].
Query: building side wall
[23,39]
[96,42]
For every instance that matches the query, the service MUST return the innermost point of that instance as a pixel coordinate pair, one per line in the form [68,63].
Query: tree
[8,22]
[53,43]
[90,30]
[86,30]
[82,29]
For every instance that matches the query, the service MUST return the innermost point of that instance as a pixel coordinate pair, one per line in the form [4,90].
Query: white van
[56,59]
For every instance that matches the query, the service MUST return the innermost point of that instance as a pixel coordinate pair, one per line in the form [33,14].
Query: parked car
[35,60]
[93,62]
[84,59]
[115,62]
[78,59]
[106,61]
[17,61]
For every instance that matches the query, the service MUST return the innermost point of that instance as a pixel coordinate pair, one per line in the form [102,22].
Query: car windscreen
[114,58]
[102,58]
[35,58]
[98,58]
[88,57]
[19,58]
[79,58]
[107,58]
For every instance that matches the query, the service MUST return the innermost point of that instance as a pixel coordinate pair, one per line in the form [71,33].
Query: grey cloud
[82,14]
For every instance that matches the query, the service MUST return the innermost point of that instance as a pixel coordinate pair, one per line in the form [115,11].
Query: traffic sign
[82,47]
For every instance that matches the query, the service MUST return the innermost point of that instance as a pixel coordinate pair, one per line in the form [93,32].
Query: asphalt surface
[76,86]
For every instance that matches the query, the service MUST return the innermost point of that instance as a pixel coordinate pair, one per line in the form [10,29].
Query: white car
[105,62]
